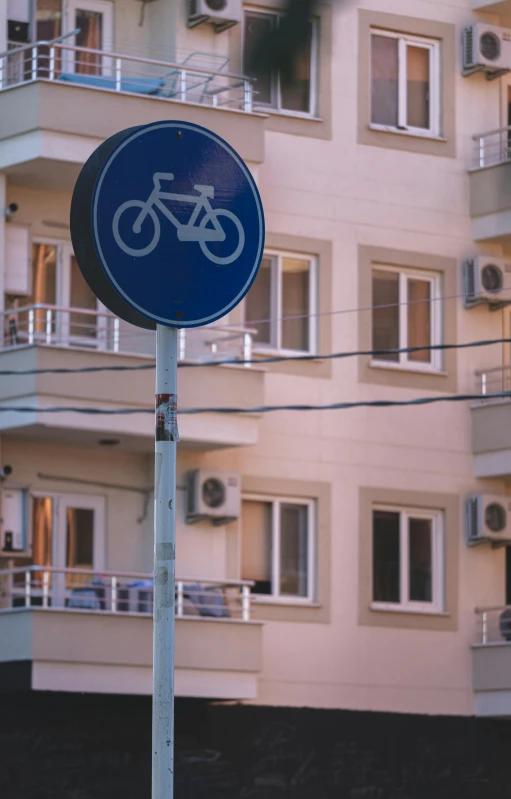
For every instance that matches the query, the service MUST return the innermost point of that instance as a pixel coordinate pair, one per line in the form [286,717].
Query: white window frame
[437,605]
[276,310]
[275,503]
[433,45]
[314,71]
[404,362]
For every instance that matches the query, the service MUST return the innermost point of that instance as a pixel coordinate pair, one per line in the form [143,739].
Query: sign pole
[164,563]
[154,263]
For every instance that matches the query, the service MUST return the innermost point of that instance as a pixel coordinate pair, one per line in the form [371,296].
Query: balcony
[491,662]
[78,630]
[59,102]
[491,424]
[46,337]
[490,186]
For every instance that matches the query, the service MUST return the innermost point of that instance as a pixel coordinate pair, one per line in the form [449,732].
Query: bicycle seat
[206,191]
[159,176]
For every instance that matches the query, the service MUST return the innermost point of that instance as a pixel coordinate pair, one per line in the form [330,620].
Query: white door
[95,21]
[79,543]
[68,532]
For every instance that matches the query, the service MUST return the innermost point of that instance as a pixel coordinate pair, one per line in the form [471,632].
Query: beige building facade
[344,579]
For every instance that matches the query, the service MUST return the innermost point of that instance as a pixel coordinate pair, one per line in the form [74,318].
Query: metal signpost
[168,230]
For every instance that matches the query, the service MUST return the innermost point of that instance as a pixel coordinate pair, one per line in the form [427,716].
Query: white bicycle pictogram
[207,231]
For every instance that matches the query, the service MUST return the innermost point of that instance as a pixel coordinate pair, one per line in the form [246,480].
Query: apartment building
[322,556]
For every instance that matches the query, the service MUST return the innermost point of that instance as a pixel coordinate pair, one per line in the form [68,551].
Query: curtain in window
[419,319]
[385,320]
[44,276]
[48,26]
[294,566]
[295,304]
[384,80]
[258,303]
[42,522]
[258,27]
[295,95]
[421,560]
[417,86]
[91,36]
[79,542]
[256,545]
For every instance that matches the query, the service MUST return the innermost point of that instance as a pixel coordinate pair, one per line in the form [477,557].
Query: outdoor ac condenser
[213,495]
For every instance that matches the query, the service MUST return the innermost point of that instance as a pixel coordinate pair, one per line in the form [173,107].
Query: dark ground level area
[69,746]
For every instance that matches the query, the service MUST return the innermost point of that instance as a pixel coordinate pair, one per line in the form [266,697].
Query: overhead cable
[264,408]
[257,361]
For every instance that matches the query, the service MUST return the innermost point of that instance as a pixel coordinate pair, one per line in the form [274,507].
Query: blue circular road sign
[176,223]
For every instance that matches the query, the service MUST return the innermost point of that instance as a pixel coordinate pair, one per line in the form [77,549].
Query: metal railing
[491,148]
[79,590]
[84,328]
[493,624]
[61,62]
[493,381]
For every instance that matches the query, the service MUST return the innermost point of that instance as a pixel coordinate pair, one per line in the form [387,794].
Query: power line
[266,408]
[258,361]
[308,315]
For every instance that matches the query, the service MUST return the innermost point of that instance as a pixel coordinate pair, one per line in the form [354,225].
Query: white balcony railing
[80,590]
[495,380]
[190,81]
[83,328]
[492,148]
[493,624]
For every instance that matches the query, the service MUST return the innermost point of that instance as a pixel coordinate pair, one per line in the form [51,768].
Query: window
[407,559]
[277,547]
[271,90]
[406,313]
[281,303]
[405,83]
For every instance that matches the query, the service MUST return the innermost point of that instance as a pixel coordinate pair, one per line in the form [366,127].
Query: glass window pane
[81,296]
[384,80]
[386,556]
[419,319]
[257,30]
[295,303]
[421,559]
[295,95]
[256,544]
[80,538]
[90,24]
[385,314]
[294,536]
[417,87]
[258,303]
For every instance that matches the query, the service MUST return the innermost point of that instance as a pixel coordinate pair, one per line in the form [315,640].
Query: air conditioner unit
[486,48]
[487,279]
[213,495]
[14,538]
[222,13]
[488,518]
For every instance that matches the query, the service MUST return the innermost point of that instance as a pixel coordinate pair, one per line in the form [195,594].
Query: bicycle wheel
[223,261]
[141,251]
